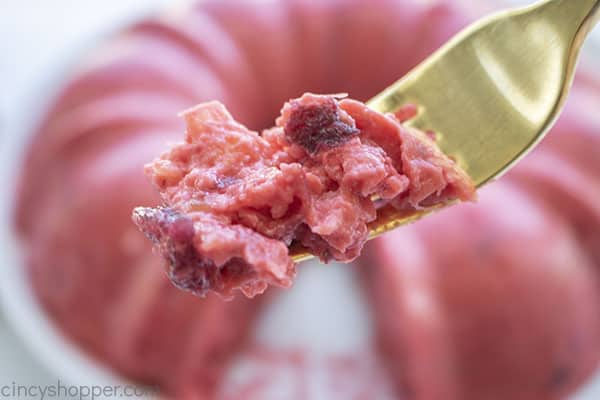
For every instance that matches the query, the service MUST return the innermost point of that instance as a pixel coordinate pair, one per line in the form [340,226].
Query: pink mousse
[236,200]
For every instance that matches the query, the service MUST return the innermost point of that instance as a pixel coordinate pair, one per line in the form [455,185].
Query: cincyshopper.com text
[61,390]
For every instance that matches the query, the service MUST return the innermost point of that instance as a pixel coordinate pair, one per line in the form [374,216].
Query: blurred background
[38,40]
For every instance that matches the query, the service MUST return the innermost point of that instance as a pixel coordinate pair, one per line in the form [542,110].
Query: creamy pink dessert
[236,200]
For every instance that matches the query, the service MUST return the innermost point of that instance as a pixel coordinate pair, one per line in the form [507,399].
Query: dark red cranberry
[317,126]
[172,233]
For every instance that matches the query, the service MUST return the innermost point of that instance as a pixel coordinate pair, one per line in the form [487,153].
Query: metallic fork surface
[493,91]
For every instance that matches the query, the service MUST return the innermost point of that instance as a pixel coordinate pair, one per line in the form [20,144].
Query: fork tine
[493,91]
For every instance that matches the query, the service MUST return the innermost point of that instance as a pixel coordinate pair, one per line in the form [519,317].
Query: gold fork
[494,90]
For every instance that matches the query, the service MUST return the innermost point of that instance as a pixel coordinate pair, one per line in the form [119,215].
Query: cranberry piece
[173,233]
[318,126]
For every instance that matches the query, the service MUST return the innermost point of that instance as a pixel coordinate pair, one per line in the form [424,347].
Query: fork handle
[584,13]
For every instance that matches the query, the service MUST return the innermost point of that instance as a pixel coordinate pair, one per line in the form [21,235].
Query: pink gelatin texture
[236,200]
